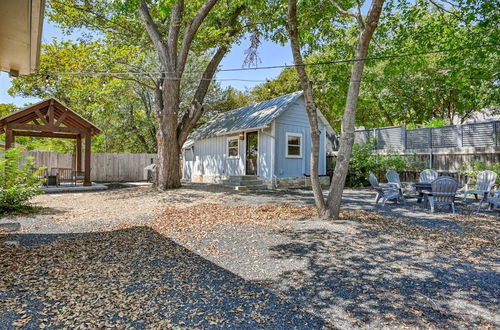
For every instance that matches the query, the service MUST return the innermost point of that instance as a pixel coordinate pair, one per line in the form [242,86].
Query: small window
[232,147]
[293,145]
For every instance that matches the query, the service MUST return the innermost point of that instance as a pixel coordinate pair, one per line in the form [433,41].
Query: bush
[363,161]
[471,169]
[18,183]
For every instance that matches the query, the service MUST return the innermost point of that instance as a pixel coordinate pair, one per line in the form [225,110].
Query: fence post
[462,135]
[495,132]
[460,142]
[430,147]
[405,137]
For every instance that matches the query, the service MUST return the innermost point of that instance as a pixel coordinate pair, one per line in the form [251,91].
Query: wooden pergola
[50,118]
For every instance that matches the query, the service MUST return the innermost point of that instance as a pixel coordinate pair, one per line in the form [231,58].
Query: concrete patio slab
[73,189]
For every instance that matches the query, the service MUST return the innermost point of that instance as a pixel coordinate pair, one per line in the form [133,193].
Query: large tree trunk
[169,146]
[168,170]
[349,118]
[310,108]
[172,130]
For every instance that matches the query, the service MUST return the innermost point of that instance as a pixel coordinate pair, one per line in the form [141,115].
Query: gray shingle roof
[253,116]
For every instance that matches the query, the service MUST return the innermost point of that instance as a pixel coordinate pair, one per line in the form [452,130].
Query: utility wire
[285,66]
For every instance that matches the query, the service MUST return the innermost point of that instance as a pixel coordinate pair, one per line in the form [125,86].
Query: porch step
[253,187]
[244,182]
[243,178]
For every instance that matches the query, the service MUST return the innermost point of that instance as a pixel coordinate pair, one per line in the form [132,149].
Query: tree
[410,90]
[85,75]
[173,38]
[331,207]
[175,31]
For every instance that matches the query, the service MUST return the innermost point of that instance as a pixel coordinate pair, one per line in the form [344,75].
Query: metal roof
[253,116]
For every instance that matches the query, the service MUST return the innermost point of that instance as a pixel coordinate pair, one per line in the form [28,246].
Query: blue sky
[269,53]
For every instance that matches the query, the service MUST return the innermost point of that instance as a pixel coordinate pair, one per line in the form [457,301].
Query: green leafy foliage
[122,106]
[18,183]
[364,160]
[410,90]
[473,168]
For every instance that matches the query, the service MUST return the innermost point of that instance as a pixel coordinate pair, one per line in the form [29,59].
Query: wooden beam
[8,138]
[42,117]
[86,180]
[60,120]
[45,134]
[24,112]
[48,128]
[51,112]
[36,121]
[79,153]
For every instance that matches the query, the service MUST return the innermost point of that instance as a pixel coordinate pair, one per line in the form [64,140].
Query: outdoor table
[420,187]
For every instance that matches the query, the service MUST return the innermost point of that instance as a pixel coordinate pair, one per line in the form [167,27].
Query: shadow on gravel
[130,278]
[373,280]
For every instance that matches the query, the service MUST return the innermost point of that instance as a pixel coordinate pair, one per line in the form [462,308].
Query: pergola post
[86,180]
[79,153]
[9,138]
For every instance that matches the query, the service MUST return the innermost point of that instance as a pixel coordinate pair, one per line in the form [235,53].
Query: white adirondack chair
[385,192]
[428,175]
[485,181]
[495,200]
[443,193]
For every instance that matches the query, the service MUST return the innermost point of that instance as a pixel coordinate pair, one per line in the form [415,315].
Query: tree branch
[343,11]
[154,34]
[359,15]
[173,32]
[191,31]
[195,112]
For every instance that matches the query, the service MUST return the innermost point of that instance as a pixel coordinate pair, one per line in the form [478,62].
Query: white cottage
[263,145]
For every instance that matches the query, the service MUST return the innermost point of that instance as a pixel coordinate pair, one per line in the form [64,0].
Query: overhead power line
[284,66]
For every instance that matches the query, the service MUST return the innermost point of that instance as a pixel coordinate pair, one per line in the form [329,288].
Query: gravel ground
[132,278]
[378,267]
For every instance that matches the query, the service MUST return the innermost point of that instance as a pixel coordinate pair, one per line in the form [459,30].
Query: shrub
[471,169]
[363,160]
[18,183]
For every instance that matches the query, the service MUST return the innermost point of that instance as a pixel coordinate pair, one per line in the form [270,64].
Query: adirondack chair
[385,192]
[494,201]
[443,192]
[485,181]
[393,179]
[428,175]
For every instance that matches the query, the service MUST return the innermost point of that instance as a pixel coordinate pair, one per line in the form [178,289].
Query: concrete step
[252,187]
[243,178]
[241,182]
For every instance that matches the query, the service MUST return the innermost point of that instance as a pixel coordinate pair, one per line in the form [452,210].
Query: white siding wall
[294,120]
[210,158]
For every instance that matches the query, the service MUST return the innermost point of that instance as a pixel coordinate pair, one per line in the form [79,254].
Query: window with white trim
[233,147]
[293,145]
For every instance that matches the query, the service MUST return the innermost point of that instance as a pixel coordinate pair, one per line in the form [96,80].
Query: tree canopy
[110,73]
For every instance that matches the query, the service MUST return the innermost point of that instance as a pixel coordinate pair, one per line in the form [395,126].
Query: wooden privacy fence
[482,134]
[105,167]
